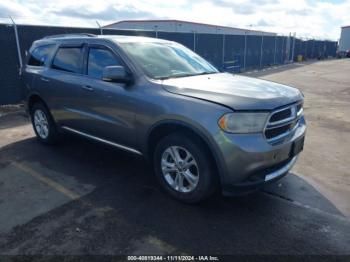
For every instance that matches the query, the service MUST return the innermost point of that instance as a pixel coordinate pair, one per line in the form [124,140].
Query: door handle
[87,87]
[45,79]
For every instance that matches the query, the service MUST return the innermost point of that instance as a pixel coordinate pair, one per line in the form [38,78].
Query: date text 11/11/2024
[173,258]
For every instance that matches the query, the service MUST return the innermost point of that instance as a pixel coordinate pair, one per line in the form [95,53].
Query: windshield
[167,60]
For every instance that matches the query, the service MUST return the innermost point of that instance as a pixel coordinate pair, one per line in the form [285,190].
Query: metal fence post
[18,46]
[223,51]
[286,49]
[245,49]
[288,45]
[287,56]
[101,30]
[282,62]
[261,49]
[305,48]
[156,30]
[194,41]
[293,47]
[274,55]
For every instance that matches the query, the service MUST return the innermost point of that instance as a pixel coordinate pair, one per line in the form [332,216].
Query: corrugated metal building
[344,42]
[183,27]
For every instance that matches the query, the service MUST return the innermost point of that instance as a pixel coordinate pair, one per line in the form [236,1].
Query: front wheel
[184,168]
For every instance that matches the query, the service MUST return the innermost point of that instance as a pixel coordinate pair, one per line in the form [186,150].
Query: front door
[108,107]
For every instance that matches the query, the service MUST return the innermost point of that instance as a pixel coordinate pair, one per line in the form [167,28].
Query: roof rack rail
[69,35]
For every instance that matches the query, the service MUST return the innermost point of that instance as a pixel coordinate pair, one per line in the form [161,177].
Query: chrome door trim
[126,148]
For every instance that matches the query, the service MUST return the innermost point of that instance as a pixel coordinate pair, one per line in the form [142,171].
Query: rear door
[35,71]
[65,77]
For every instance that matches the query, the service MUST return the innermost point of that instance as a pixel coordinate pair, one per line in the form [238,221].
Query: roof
[117,38]
[178,21]
[127,39]
[346,26]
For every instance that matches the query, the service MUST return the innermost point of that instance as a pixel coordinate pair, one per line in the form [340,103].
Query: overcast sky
[308,18]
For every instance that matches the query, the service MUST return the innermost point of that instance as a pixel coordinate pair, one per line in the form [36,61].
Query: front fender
[183,123]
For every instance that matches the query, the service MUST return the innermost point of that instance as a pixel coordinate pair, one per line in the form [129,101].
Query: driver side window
[98,59]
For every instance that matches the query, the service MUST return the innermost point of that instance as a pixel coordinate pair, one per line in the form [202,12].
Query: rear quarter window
[40,55]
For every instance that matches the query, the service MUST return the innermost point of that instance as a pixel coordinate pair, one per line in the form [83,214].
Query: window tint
[40,55]
[69,59]
[99,59]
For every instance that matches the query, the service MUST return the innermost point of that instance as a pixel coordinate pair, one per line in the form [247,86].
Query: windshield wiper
[205,73]
[162,78]
[186,75]
[175,76]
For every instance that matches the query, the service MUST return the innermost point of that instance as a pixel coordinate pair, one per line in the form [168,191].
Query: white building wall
[183,27]
[344,42]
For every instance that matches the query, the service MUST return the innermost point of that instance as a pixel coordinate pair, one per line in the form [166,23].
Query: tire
[203,182]
[41,117]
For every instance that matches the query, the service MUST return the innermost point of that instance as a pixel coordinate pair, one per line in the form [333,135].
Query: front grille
[282,122]
[281,115]
[274,132]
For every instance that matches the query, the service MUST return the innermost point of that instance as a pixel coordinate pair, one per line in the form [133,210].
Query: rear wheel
[43,124]
[184,168]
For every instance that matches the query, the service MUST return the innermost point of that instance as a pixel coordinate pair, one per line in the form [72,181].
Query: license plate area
[297,147]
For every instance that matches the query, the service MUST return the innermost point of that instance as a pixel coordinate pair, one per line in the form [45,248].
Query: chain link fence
[232,53]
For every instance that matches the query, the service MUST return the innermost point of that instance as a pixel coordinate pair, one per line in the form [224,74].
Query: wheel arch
[166,127]
[35,98]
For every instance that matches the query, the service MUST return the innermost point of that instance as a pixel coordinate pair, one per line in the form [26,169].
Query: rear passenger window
[99,59]
[69,59]
[40,55]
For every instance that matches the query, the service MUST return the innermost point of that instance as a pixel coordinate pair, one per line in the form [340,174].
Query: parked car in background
[201,129]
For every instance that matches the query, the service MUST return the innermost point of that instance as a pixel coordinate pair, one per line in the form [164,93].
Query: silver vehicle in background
[202,130]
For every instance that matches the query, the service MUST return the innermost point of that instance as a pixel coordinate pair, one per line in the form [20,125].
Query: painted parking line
[29,189]
[56,186]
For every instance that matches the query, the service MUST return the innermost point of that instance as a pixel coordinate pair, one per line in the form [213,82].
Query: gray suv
[201,129]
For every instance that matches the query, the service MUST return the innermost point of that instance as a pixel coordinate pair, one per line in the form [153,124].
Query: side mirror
[115,74]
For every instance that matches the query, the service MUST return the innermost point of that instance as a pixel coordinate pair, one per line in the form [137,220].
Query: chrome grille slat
[280,115]
[268,127]
[289,119]
[276,138]
[276,130]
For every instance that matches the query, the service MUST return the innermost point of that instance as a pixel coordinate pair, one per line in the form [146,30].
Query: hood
[234,91]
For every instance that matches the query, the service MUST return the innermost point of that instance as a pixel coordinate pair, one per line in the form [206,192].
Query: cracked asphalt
[80,197]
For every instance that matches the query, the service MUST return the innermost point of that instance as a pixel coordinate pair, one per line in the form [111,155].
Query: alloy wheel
[180,169]
[41,124]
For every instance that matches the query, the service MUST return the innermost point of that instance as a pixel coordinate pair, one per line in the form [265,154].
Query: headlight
[243,122]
